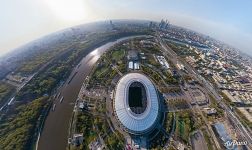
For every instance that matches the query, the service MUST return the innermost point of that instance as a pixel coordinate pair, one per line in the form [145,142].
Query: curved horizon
[43,37]
[227,21]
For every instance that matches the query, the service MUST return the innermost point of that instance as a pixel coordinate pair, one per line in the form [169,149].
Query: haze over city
[23,21]
[125,75]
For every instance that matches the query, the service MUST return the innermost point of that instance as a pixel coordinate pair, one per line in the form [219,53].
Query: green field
[84,125]
[91,126]
[115,141]
[185,124]
[118,55]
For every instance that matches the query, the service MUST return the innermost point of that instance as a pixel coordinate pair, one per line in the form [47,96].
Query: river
[55,132]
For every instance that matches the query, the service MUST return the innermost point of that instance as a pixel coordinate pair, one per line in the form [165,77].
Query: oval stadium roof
[136,123]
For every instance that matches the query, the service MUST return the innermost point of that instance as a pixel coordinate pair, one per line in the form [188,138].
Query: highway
[208,86]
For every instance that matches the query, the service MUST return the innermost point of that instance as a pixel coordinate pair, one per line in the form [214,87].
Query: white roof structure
[136,65]
[132,122]
[163,62]
[131,65]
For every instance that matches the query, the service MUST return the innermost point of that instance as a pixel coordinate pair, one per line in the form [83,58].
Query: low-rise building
[210,111]
[163,62]
[223,136]
[77,139]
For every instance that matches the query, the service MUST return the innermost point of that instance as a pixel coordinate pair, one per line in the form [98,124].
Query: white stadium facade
[136,104]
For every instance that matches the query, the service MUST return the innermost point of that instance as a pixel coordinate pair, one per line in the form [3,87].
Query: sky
[22,21]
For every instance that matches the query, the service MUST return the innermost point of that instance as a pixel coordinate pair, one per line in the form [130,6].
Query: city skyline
[22,22]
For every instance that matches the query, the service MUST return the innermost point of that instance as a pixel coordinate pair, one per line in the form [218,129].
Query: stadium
[136,104]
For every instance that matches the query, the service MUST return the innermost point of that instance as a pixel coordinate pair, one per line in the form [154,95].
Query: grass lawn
[185,124]
[100,73]
[117,55]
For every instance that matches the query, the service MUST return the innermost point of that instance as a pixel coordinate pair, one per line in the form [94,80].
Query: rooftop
[136,122]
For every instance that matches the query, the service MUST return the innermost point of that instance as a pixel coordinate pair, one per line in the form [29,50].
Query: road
[197,109]
[208,86]
[197,141]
